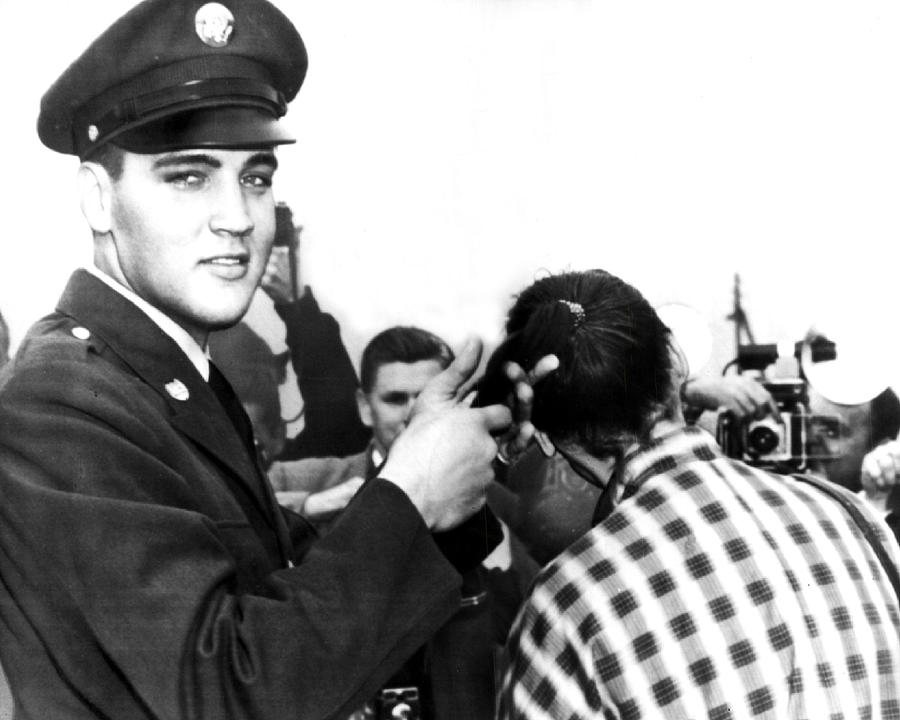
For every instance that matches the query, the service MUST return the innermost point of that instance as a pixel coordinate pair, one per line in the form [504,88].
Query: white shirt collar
[196,354]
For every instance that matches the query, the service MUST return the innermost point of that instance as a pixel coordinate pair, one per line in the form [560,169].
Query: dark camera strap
[869,529]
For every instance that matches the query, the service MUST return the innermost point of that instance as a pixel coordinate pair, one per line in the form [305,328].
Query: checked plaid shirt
[714,590]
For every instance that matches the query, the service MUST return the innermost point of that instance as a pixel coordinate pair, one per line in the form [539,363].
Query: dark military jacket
[146,569]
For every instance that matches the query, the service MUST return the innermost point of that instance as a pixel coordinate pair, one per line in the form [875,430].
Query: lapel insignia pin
[177,390]
[214,24]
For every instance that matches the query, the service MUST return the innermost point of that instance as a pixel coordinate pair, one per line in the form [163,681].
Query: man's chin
[225,324]
[222,319]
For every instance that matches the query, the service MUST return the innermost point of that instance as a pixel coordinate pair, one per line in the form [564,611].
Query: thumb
[451,384]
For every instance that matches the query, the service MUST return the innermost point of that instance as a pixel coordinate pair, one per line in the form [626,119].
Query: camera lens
[762,440]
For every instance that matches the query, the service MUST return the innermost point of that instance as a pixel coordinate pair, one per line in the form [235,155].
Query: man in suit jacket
[147,571]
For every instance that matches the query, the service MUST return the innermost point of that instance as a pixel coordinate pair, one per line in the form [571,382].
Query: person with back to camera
[546,505]
[706,588]
[147,570]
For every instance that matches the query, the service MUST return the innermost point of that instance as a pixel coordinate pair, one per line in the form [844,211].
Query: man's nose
[230,214]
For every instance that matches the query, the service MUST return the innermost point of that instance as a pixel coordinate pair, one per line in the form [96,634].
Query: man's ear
[95,191]
[365,410]
[545,443]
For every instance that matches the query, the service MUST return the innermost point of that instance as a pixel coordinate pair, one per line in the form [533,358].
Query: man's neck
[194,350]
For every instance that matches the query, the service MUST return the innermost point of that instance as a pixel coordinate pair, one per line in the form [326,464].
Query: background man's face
[192,231]
[852,443]
[387,407]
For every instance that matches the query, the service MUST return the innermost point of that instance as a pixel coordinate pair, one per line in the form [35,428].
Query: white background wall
[450,150]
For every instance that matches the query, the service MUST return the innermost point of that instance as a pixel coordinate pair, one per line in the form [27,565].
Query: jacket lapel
[158,361]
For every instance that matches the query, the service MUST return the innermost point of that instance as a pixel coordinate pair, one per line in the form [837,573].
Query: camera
[786,443]
[400,703]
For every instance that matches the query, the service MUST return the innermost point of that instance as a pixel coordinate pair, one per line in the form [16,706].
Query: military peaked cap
[173,74]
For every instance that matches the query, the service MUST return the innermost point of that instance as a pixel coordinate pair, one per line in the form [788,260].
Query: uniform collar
[198,356]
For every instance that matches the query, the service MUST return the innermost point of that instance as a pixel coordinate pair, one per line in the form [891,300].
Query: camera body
[779,444]
[400,703]
[396,703]
[795,438]
[784,446]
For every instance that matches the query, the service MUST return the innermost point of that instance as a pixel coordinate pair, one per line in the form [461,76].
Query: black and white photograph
[450,360]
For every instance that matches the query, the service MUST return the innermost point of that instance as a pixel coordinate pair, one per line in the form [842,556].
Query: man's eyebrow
[175,159]
[263,158]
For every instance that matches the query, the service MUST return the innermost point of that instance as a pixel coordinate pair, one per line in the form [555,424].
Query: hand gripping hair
[615,359]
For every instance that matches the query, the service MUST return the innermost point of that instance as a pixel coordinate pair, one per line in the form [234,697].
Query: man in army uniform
[147,571]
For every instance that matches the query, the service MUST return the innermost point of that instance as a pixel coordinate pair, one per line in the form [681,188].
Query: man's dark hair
[615,375]
[111,157]
[402,344]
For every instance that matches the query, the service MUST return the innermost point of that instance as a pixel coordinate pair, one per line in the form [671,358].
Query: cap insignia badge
[177,390]
[214,24]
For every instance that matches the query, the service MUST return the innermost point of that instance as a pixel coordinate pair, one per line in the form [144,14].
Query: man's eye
[395,399]
[185,179]
[257,180]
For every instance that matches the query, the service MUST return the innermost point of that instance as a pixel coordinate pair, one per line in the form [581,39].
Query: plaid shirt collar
[664,453]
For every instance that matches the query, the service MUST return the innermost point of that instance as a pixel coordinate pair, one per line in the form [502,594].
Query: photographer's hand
[745,397]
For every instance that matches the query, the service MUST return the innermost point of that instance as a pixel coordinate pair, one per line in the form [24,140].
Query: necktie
[229,401]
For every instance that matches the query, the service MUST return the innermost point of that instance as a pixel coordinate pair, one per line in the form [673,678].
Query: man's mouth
[228,267]
[227,260]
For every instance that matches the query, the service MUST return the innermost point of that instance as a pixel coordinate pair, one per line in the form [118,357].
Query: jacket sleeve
[326,380]
[115,569]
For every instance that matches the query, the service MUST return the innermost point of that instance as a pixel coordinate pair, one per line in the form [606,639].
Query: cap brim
[211,127]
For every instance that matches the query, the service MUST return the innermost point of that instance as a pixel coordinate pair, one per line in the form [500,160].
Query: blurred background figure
[854,444]
[325,375]
[861,428]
